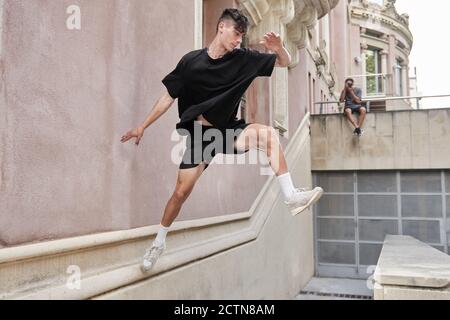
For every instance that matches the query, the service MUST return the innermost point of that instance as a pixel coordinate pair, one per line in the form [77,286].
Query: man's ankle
[158,243]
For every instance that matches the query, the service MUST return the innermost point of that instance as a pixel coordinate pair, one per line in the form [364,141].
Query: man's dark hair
[235,15]
[349,79]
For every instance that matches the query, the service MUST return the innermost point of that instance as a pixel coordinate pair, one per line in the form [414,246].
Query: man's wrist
[279,49]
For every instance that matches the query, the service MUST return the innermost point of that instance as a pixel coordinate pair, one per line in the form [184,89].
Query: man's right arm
[162,105]
[342,98]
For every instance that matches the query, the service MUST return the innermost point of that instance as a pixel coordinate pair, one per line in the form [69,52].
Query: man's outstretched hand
[134,133]
[272,41]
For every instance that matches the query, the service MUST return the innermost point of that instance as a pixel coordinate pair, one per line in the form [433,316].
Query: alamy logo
[73,22]
[74,280]
[370,280]
[201,146]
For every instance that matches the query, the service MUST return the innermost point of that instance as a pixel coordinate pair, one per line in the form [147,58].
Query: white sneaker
[302,199]
[151,256]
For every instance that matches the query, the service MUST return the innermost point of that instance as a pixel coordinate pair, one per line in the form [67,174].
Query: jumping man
[209,84]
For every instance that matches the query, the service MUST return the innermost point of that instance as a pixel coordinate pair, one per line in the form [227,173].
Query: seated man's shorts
[204,142]
[354,108]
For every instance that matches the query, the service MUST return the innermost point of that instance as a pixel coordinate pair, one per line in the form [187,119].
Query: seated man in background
[352,98]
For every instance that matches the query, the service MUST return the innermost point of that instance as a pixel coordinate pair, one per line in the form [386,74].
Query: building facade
[72,194]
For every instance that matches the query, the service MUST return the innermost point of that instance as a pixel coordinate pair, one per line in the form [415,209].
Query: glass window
[398,78]
[369,253]
[336,205]
[336,229]
[377,206]
[426,231]
[424,182]
[373,67]
[422,206]
[335,181]
[343,253]
[376,230]
[377,182]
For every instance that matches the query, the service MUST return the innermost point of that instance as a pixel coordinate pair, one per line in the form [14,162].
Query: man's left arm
[355,97]
[272,42]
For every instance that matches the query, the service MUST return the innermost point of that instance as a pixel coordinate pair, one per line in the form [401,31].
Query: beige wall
[67,98]
[392,140]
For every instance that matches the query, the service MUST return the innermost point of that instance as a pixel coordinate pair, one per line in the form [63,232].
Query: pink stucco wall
[339,39]
[68,96]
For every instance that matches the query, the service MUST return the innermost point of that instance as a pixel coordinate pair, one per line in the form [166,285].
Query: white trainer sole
[313,200]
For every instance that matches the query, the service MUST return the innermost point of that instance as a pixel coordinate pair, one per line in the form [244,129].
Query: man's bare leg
[265,138]
[362,116]
[185,184]
[348,113]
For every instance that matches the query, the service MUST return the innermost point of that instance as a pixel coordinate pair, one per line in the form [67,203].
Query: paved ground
[335,289]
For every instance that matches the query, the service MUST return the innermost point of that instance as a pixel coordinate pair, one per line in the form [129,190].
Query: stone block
[384,124]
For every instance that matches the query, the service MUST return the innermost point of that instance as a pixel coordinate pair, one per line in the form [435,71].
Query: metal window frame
[359,270]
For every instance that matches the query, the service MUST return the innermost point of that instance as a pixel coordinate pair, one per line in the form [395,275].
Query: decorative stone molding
[323,67]
[390,10]
[386,15]
[292,19]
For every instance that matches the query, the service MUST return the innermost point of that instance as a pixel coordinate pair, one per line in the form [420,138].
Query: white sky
[429,22]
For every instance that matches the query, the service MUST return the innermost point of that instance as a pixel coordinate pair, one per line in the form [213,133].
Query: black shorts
[204,142]
[355,109]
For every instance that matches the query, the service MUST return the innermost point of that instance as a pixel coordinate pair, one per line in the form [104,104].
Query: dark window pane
[377,182]
[378,206]
[336,229]
[335,205]
[369,253]
[424,182]
[335,181]
[422,206]
[341,253]
[426,231]
[376,230]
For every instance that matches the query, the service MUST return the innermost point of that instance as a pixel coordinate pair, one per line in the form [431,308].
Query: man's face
[349,84]
[229,36]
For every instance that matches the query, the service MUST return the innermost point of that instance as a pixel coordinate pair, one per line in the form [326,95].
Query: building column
[391,63]
[384,71]
[404,79]
[364,48]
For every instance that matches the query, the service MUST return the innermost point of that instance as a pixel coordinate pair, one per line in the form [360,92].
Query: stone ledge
[405,261]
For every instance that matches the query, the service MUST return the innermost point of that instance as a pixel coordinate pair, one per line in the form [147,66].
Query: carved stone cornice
[386,15]
[290,18]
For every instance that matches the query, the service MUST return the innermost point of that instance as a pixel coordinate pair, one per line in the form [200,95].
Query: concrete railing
[399,140]
[392,103]
[408,269]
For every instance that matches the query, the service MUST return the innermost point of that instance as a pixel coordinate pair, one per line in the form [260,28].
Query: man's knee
[267,135]
[363,110]
[181,194]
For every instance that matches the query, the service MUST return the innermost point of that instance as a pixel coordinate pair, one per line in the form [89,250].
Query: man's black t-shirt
[214,87]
